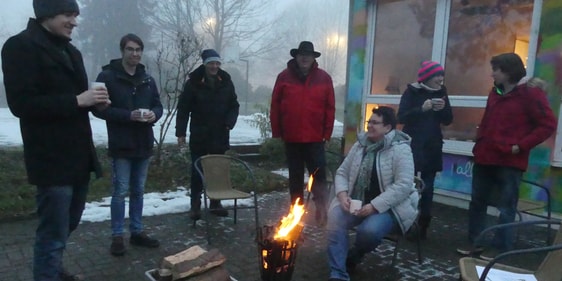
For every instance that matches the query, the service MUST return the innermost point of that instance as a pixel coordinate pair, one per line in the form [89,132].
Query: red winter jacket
[523,117]
[302,109]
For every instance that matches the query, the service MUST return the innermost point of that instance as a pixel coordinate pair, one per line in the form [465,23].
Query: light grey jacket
[395,168]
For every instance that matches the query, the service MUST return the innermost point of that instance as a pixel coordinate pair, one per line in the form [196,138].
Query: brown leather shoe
[117,247]
[67,276]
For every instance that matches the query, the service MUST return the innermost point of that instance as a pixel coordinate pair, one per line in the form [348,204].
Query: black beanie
[51,8]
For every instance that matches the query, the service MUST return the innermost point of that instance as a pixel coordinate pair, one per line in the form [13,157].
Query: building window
[403,39]
[478,30]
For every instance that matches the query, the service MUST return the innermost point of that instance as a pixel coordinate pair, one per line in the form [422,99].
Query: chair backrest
[216,171]
[550,268]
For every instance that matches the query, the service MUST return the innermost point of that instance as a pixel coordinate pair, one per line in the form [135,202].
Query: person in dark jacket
[302,115]
[423,108]
[47,89]
[517,118]
[134,109]
[209,99]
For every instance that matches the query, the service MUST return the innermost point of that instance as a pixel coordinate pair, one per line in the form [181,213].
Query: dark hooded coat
[127,138]
[43,74]
[213,109]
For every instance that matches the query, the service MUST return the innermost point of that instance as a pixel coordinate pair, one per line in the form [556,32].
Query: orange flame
[309,186]
[290,221]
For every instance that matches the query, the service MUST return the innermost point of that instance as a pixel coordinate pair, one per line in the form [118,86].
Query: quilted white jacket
[395,168]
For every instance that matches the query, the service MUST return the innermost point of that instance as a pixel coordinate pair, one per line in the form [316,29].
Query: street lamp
[247,83]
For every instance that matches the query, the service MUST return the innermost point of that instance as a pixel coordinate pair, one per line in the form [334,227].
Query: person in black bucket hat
[305,48]
[302,115]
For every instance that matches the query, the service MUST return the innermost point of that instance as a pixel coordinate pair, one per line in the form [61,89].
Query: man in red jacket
[517,118]
[302,115]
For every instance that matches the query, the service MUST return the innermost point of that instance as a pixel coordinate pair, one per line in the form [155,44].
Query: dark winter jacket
[302,108]
[43,74]
[213,111]
[127,138]
[424,127]
[521,117]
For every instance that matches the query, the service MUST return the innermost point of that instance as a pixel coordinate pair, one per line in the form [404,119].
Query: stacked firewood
[197,264]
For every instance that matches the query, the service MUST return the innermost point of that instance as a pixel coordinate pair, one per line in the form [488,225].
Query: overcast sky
[14,14]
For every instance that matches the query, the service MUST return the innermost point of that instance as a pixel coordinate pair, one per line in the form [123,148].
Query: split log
[218,273]
[192,261]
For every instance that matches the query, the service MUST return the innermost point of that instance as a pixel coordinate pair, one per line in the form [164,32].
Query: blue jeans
[497,186]
[370,232]
[129,175]
[311,154]
[59,209]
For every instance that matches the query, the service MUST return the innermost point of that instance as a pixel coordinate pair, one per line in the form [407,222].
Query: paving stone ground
[88,248]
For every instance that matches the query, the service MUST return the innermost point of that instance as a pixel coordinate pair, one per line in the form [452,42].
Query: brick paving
[88,247]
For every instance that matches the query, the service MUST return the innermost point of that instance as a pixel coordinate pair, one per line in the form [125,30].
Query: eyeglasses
[373,122]
[133,50]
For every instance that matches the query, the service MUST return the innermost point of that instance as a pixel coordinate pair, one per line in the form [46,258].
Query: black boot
[217,209]
[195,212]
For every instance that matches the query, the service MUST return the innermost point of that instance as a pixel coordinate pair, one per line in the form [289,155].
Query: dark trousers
[426,201]
[196,181]
[59,209]
[312,155]
[497,186]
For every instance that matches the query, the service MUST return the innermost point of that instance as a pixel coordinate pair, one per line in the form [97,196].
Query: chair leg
[207,224]
[418,242]
[395,255]
[256,218]
[235,210]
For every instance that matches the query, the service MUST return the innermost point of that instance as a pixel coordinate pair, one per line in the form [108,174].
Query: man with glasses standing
[302,115]
[47,89]
[134,109]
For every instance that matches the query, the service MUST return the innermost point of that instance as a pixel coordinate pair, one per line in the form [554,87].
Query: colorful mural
[356,70]
[457,173]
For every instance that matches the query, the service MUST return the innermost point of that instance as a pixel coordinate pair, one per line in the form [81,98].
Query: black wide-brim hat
[305,47]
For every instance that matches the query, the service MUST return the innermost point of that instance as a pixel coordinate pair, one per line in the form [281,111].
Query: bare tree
[104,23]
[173,63]
[177,55]
[235,22]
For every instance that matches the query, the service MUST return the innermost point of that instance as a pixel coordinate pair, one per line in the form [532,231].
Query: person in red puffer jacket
[302,115]
[517,118]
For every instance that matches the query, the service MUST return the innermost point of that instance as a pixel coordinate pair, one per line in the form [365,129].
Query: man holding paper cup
[47,89]
[134,109]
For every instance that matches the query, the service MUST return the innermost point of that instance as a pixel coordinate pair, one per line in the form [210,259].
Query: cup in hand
[436,101]
[144,114]
[97,85]
[355,205]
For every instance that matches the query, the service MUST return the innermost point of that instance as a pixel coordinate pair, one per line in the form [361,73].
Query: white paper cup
[144,113]
[436,100]
[97,85]
[355,205]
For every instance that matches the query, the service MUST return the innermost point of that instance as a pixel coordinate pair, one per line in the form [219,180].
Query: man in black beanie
[210,100]
[47,89]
